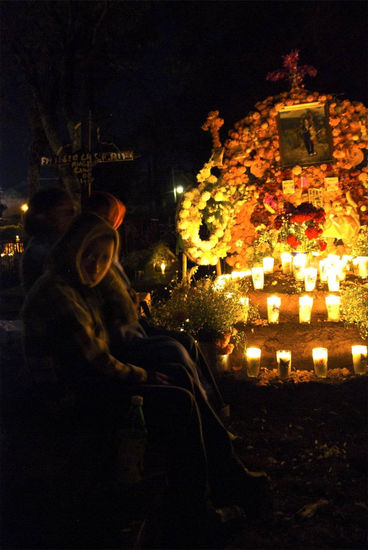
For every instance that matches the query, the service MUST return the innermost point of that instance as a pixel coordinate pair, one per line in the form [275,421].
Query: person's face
[60,217]
[96,260]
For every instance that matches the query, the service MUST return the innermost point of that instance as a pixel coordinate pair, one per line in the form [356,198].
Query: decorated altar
[289,189]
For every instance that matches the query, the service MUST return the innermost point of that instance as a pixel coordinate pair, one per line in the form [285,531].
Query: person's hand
[158,378]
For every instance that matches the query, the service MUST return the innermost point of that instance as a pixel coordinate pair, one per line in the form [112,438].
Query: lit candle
[244,300]
[258,277]
[268,263]
[163,267]
[320,362]
[310,278]
[273,308]
[359,359]
[283,357]
[333,260]
[286,262]
[345,260]
[333,307]
[363,266]
[355,262]
[323,270]
[299,262]
[222,363]
[253,356]
[333,279]
[305,309]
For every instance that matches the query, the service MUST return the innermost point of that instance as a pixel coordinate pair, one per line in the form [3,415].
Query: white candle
[333,260]
[310,278]
[286,262]
[323,269]
[253,357]
[273,309]
[333,279]
[283,357]
[345,260]
[363,266]
[268,263]
[355,262]
[222,363]
[299,263]
[305,309]
[258,277]
[244,300]
[320,362]
[333,307]
[359,359]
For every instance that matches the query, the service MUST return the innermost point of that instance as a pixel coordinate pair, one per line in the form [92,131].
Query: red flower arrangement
[300,227]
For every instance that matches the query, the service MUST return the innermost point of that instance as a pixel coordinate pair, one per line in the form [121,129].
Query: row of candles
[305,308]
[331,269]
[320,359]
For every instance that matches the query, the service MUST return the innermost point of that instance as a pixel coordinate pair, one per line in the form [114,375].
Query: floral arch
[263,202]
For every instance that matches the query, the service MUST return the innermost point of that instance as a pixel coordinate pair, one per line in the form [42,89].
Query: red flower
[312,232]
[300,218]
[322,245]
[293,241]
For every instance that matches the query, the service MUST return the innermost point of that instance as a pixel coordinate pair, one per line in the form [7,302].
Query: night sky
[202,56]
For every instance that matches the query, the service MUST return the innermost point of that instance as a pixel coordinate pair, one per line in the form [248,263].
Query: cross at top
[292,71]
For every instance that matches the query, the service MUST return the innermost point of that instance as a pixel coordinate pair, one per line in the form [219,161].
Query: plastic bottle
[132,443]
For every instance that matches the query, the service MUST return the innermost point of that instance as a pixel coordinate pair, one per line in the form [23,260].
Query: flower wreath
[207,207]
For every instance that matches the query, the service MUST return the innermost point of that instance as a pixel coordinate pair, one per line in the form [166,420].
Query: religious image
[304,135]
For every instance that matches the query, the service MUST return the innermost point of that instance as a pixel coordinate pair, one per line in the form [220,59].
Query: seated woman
[49,214]
[137,340]
[66,342]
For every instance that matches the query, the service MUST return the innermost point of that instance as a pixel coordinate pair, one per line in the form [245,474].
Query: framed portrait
[304,135]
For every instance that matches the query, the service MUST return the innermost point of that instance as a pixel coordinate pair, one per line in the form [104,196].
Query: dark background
[188,58]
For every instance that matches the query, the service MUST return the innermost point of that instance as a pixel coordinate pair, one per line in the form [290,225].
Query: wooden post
[218,268]
[184,266]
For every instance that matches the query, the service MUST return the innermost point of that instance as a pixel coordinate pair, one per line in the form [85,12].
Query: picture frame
[304,135]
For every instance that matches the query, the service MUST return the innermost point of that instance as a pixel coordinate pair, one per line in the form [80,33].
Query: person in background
[136,339]
[49,214]
[67,346]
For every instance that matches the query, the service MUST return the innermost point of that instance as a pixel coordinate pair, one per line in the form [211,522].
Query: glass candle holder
[333,279]
[363,266]
[359,354]
[310,278]
[244,300]
[299,263]
[258,278]
[346,262]
[253,358]
[333,307]
[323,270]
[355,266]
[283,358]
[222,363]
[320,356]
[286,262]
[305,309]
[273,309]
[268,263]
